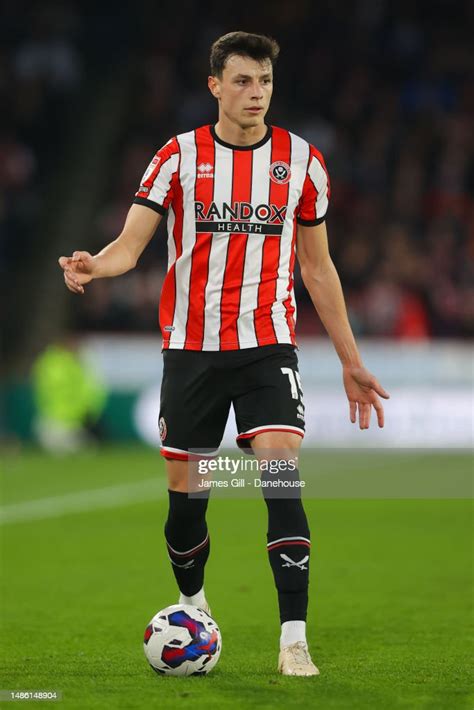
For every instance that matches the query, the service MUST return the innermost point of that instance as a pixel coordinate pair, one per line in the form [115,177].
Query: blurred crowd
[384,90]
[41,70]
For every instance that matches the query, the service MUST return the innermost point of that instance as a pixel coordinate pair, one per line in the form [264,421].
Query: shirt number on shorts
[295,382]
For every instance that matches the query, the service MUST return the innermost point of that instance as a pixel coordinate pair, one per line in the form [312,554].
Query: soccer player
[242,199]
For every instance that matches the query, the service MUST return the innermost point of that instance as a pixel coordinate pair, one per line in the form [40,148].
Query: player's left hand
[362,389]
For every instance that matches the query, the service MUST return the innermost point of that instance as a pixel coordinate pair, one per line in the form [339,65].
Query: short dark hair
[258,47]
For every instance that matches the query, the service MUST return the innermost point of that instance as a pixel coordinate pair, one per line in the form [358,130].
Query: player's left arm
[322,282]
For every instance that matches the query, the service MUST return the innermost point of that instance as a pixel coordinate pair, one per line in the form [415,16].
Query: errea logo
[204,170]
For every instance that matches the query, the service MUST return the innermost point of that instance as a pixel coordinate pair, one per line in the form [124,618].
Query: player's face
[244,91]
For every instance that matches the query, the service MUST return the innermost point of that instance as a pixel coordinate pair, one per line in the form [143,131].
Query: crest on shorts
[162,428]
[280,172]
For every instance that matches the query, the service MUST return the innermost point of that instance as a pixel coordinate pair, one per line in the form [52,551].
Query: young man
[242,199]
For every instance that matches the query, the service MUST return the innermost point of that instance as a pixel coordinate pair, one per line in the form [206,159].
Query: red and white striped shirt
[232,217]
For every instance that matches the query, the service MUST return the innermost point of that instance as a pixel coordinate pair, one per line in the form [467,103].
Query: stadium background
[385,91]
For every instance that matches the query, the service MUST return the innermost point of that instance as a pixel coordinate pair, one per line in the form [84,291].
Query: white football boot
[198,600]
[205,607]
[295,660]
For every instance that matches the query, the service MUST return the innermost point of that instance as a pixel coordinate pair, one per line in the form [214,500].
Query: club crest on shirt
[280,172]
[162,428]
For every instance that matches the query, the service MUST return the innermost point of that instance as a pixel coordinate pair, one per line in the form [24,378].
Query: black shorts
[198,388]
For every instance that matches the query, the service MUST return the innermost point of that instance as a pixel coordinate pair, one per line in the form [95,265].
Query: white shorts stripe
[276,427]
[171,450]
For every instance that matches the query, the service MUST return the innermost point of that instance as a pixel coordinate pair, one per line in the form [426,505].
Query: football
[182,640]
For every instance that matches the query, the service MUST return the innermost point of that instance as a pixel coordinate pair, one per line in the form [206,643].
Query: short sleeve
[316,192]
[157,184]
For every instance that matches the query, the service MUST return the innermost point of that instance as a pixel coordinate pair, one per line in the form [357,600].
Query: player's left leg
[288,545]
[269,410]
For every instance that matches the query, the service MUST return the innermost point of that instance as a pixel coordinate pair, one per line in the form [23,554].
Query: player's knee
[178,475]
[286,443]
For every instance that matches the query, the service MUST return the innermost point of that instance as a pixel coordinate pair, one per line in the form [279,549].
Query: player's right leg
[186,535]
[193,415]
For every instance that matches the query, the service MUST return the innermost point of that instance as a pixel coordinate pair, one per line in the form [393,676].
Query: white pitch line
[82,501]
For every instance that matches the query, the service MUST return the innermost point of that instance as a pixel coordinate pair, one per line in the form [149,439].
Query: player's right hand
[78,270]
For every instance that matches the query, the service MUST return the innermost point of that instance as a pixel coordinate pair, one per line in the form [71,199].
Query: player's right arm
[151,202]
[116,258]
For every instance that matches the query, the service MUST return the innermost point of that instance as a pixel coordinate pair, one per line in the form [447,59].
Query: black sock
[288,546]
[187,539]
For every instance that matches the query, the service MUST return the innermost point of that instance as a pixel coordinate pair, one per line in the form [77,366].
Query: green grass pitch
[390,610]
